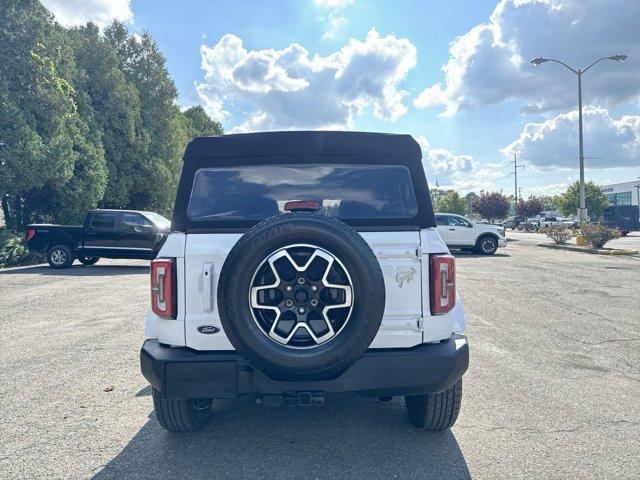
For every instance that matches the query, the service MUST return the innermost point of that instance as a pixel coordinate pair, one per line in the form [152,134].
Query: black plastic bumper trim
[185,373]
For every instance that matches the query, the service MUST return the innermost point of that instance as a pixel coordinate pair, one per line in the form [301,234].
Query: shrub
[560,235]
[598,235]
[13,250]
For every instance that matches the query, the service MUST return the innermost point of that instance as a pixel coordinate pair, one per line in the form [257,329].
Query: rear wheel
[181,415]
[435,411]
[60,256]
[88,260]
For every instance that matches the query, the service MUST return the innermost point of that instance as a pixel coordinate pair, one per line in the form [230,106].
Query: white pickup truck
[302,264]
[461,233]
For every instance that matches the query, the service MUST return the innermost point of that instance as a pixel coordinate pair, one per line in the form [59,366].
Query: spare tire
[301,296]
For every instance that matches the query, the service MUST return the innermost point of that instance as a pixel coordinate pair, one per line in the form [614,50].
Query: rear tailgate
[403,258]
[42,236]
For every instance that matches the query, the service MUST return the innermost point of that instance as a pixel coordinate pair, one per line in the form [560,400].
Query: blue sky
[378,66]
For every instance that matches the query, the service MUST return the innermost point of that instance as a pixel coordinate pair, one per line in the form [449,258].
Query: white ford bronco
[302,264]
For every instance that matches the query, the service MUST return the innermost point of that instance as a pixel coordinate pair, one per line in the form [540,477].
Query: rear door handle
[207,287]
[452,229]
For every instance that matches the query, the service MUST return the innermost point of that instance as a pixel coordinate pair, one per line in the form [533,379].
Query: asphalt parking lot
[553,390]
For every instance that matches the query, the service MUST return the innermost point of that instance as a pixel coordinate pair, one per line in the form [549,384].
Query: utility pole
[515,176]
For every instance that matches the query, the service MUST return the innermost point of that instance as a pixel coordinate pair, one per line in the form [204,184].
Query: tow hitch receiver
[293,399]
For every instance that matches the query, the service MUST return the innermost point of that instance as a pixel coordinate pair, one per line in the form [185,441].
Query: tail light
[29,234]
[163,291]
[443,284]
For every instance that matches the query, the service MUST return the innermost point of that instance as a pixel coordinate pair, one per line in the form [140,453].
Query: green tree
[595,200]
[491,205]
[163,123]
[37,96]
[452,203]
[86,119]
[437,194]
[200,124]
[469,198]
[549,202]
[113,106]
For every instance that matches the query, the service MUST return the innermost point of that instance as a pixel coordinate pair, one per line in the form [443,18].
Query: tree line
[495,205]
[87,119]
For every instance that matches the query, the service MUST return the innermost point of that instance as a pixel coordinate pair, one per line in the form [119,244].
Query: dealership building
[627,193]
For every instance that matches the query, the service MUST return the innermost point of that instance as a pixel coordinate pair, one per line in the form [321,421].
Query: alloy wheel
[488,246]
[301,296]
[58,257]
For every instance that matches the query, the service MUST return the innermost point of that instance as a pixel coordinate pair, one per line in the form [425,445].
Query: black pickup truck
[105,233]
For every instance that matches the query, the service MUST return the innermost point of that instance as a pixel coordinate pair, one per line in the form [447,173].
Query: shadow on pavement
[78,270]
[351,437]
[146,391]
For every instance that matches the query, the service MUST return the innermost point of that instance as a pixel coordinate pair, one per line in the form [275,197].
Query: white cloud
[289,88]
[71,13]
[609,143]
[334,4]
[335,23]
[334,20]
[454,171]
[550,189]
[490,63]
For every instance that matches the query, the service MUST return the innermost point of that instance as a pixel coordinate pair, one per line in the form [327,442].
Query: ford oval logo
[208,329]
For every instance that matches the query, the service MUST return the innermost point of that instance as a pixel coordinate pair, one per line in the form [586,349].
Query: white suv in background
[461,233]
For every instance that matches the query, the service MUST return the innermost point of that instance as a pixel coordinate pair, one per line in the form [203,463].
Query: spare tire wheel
[301,296]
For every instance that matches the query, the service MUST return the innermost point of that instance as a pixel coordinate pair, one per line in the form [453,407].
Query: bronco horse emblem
[405,277]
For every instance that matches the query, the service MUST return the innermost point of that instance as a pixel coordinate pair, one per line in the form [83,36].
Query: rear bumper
[187,373]
[502,242]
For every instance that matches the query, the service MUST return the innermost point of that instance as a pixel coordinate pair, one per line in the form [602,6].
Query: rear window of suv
[257,192]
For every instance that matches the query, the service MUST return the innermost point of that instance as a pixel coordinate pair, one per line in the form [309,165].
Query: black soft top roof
[300,147]
[302,144]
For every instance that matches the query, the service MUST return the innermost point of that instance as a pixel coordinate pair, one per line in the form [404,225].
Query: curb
[595,251]
[617,251]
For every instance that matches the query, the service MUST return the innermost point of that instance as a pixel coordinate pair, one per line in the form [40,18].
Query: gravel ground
[553,390]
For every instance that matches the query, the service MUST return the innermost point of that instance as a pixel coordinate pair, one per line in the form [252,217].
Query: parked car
[303,264]
[513,222]
[549,222]
[623,217]
[568,222]
[461,233]
[105,234]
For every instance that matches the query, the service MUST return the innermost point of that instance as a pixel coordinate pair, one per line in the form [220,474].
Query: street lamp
[582,211]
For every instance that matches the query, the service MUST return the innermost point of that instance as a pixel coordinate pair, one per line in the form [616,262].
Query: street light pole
[582,211]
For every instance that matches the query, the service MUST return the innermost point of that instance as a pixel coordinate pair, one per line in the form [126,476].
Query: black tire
[60,256]
[486,245]
[325,360]
[88,260]
[181,415]
[435,411]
